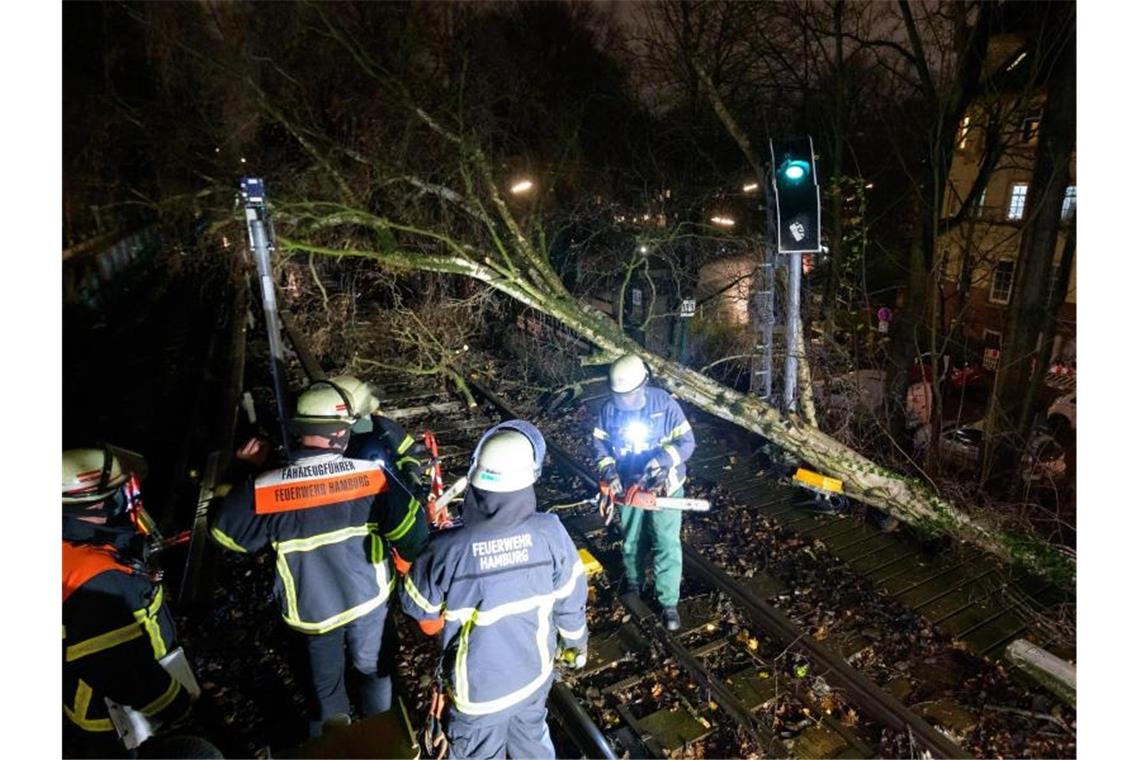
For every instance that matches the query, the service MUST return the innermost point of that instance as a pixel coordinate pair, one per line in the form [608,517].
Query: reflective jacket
[327,517]
[668,438]
[115,629]
[508,585]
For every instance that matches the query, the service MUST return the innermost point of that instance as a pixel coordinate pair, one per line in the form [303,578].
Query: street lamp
[723,221]
[751,187]
[522,186]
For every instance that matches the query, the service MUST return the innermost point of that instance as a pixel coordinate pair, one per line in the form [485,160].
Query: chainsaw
[642,496]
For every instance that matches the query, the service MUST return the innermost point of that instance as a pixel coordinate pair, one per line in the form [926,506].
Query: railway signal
[797,195]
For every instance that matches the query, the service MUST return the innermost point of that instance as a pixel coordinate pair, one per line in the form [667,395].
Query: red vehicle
[967,374]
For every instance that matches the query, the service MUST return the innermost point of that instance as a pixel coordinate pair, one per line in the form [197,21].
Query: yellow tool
[817,482]
[593,567]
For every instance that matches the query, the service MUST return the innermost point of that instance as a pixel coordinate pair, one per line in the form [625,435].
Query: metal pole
[255,213]
[795,270]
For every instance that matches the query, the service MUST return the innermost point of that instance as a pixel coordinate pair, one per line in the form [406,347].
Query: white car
[1044,457]
[1062,414]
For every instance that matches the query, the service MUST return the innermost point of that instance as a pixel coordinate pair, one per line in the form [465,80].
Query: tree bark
[902,496]
[1011,408]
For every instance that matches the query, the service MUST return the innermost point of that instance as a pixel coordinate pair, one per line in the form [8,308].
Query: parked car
[1043,460]
[953,376]
[1061,417]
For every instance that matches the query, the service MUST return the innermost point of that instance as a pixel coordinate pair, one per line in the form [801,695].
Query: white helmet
[627,382]
[505,462]
[627,374]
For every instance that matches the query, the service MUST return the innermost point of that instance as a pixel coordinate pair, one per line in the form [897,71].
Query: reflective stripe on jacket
[506,595]
[332,566]
[115,629]
[665,435]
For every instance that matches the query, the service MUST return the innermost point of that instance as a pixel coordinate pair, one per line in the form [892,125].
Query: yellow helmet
[364,401]
[91,475]
[323,408]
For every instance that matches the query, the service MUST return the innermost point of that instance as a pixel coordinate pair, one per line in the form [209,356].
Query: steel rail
[577,723]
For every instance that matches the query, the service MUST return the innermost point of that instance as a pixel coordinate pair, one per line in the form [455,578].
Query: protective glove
[654,475]
[609,491]
[574,657]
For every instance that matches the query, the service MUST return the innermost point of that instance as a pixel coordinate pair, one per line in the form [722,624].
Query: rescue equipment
[817,482]
[134,727]
[435,739]
[590,562]
[437,513]
[642,495]
[260,228]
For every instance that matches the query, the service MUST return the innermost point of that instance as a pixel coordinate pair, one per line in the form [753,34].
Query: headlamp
[635,433]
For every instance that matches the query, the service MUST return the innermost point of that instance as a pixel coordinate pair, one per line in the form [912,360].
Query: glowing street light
[751,187]
[521,186]
[723,221]
[644,249]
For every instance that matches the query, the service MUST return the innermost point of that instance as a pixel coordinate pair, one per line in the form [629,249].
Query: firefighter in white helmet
[508,592]
[642,437]
[117,630]
[333,522]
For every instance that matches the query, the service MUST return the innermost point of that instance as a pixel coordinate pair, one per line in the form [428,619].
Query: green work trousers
[638,528]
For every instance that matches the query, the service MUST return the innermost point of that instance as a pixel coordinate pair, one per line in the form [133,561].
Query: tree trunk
[903,496]
[1028,311]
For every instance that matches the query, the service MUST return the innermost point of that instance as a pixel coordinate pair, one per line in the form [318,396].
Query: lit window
[1017,195]
[1069,205]
[1001,284]
[980,203]
[963,133]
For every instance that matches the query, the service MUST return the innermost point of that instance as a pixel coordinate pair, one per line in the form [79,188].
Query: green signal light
[795,170]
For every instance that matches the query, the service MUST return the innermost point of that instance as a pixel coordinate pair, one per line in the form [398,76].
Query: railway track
[741,678]
[752,672]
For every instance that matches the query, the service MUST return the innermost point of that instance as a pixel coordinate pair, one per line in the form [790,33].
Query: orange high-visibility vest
[82,562]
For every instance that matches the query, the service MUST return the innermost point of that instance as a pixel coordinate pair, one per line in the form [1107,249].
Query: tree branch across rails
[901,495]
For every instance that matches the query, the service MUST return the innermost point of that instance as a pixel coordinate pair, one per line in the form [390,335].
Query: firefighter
[642,438]
[118,635]
[380,438]
[508,592]
[331,521]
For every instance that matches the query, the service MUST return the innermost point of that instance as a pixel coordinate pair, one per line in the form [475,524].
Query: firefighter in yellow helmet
[333,522]
[120,655]
[380,438]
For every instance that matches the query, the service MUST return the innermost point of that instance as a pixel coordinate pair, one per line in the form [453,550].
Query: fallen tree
[360,132]
[504,258]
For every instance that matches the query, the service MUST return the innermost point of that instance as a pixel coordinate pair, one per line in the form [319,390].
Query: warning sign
[315,484]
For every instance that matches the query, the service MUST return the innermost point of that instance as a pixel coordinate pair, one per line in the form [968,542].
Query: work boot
[671,619]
